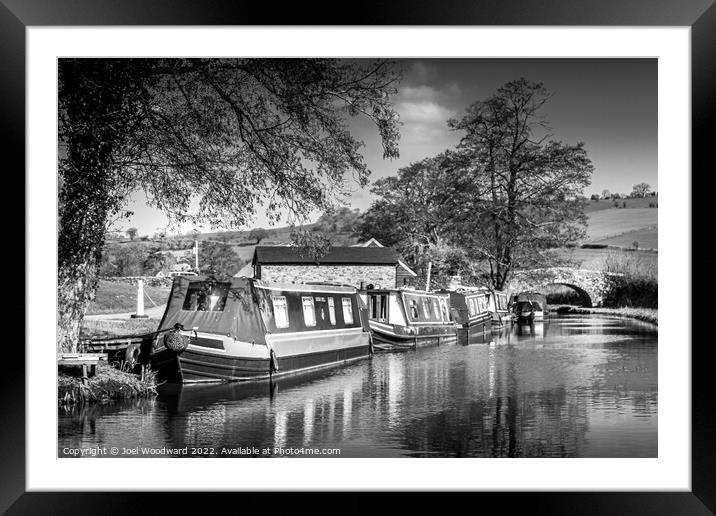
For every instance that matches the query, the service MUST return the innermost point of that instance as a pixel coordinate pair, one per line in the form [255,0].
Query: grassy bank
[108,384]
[118,297]
[650,315]
[100,328]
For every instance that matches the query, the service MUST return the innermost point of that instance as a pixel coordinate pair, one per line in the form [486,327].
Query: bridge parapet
[593,286]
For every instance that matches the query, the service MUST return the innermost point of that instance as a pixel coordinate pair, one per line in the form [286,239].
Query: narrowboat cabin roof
[236,307]
[530,296]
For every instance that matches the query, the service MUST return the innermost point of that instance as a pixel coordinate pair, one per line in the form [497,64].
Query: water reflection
[566,387]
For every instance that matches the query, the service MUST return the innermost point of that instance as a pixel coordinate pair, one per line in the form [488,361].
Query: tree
[129,260]
[231,134]
[218,260]
[641,190]
[606,194]
[339,226]
[132,233]
[524,193]
[415,211]
[258,234]
[594,197]
[158,261]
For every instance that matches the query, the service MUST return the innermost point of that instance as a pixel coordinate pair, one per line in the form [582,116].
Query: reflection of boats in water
[536,329]
[246,329]
[529,306]
[181,397]
[403,319]
[286,411]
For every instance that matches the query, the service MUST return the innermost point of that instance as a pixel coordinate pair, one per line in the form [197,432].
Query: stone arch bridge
[592,286]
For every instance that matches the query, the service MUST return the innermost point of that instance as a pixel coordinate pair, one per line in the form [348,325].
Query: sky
[609,104]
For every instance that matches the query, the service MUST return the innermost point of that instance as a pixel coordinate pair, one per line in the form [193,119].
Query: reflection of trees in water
[509,423]
[506,400]
[96,424]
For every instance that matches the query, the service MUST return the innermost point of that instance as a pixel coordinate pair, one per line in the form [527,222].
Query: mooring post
[140,301]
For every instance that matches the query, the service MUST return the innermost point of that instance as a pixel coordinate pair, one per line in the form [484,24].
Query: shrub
[637,283]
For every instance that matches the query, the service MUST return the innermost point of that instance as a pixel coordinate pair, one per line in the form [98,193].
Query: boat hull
[475,331]
[530,316]
[393,337]
[239,361]
[500,319]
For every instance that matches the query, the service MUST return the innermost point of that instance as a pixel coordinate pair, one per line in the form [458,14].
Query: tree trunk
[83,217]
[92,112]
[75,289]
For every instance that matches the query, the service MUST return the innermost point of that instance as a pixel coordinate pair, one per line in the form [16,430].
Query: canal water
[573,386]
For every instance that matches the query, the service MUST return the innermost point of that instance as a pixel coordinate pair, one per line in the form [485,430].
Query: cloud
[422,71]
[424,112]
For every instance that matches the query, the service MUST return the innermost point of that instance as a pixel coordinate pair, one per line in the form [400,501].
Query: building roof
[247,271]
[337,255]
[370,243]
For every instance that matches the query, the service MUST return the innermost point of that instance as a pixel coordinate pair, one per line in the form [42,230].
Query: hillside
[608,204]
[624,226]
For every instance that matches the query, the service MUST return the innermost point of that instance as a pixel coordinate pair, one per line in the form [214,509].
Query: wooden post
[427,281]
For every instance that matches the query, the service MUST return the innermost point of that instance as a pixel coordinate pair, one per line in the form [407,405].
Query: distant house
[357,265]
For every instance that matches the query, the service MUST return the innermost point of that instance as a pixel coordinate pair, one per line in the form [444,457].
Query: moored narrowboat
[407,318]
[529,306]
[469,310]
[247,329]
[499,308]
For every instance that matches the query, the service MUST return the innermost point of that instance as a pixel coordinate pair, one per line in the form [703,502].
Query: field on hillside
[638,202]
[646,238]
[599,259]
[605,224]
[120,297]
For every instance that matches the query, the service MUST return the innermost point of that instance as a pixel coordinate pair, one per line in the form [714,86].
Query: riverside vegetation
[109,383]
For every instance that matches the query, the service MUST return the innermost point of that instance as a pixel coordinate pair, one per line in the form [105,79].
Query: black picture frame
[700,15]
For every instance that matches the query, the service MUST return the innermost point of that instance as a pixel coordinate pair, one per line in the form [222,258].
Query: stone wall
[149,281]
[594,286]
[381,276]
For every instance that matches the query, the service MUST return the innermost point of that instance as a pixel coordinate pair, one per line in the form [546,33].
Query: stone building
[358,266]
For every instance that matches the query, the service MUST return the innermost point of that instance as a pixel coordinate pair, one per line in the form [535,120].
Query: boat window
[471,308]
[280,311]
[332,311]
[443,307]
[383,307]
[414,309]
[502,302]
[309,312]
[373,307]
[204,297]
[482,304]
[436,308]
[426,307]
[347,310]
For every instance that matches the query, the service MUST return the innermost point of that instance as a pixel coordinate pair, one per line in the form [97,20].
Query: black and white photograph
[357,257]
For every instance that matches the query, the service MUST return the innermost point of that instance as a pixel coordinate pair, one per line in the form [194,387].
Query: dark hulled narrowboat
[469,310]
[529,306]
[405,318]
[247,329]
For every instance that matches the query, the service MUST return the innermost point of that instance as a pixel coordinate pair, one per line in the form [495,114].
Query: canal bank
[650,315]
[107,384]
